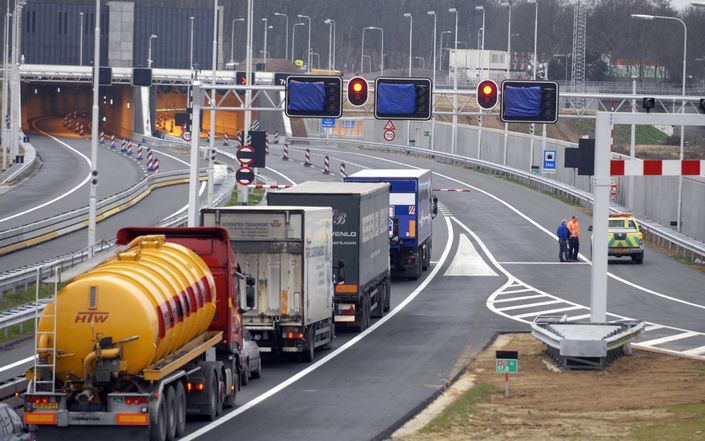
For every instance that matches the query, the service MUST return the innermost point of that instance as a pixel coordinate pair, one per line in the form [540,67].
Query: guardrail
[27,235]
[663,236]
[30,155]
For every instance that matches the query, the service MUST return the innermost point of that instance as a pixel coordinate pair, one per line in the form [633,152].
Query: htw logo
[91,317]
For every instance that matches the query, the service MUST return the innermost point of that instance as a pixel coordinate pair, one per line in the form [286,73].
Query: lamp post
[331,44]
[318,59]
[685,48]
[211,134]
[286,33]
[264,51]
[533,76]
[80,41]
[232,38]
[381,56]
[190,60]
[92,198]
[308,62]
[15,79]
[411,38]
[455,83]
[369,63]
[149,50]
[508,4]
[440,49]
[293,38]
[482,43]
[482,56]
[433,120]
[5,79]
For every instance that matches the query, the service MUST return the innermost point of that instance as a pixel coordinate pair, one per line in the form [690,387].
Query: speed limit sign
[186,136]
[389,135]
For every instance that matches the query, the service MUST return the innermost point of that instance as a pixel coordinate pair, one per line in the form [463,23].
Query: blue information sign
[328,123]
[549,161]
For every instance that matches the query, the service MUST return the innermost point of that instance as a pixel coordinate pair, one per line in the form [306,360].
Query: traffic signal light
[487,94]
[648,103]
[105,76]
[241,80]
[403,98]
[141,76]
[313,96]
[529,101]
[357,91]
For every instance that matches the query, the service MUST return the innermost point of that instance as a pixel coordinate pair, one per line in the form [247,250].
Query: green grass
[253,197]
[687,420]
[10,299]
[460,409]
[648,135]
[14,332]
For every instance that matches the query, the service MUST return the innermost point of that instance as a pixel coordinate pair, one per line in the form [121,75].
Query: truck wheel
[212,412]
[426,258]
[388,295]
[157,431]
[246,373]
[231,395]
[222,393]
[170,398]
[331,336]
[379,310]
[418,268]
[180,409]
[363,315]
[309,350]
[638,258]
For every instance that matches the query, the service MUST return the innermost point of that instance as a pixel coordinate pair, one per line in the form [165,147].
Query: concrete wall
[121,36]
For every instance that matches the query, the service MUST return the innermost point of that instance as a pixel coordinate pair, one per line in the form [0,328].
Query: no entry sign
[246,155]
[245,175]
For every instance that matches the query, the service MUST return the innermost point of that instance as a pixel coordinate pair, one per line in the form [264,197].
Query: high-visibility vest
[574,228]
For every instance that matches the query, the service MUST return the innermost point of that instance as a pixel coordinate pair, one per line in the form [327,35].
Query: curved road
[495,269]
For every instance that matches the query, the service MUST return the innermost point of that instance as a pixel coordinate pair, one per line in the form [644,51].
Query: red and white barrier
[285,156]
[307,162]
[150,164]
[225,140]
[139,151]
[123,147]
[156,165]
[150,156]
[326,165]
[276,137]
[112,142]
[129,148]
[342,169]
[270,186]
[658,167]
[80,130]
[266,144]
[102,138]
[453,190]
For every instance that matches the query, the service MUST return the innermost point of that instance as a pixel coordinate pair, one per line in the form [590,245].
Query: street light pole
[411,37]
[80,43]
[92,198]
[381,57]
[334,32]
[455,83]
[433,66]
[440,49]
[149,50]
[286,34]
[214,66]
[190,61]
[682,143]
[308,66]
[362,53]
[329,22]
[264,51]
[293,39]
[482,56]
[508,4]
[232,39]
[533,77]
[15,81]
[5,80]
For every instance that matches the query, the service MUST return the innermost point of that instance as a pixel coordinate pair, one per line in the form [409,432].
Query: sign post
[549,161]
[506,362]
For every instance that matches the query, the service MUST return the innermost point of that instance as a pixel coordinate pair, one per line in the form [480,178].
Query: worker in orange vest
[574,240]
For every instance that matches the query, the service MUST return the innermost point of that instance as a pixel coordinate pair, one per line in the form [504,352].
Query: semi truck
[288,252]
[141,340]
[412,207]
[360,244]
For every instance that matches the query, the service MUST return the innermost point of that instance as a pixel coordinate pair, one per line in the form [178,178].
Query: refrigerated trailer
[360,244]
[288,253]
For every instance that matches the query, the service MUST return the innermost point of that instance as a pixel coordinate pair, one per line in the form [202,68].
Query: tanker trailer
[142,339]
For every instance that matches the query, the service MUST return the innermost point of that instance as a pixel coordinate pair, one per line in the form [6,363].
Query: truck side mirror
[434,206]
[250,292]
[590,228]
[395,227]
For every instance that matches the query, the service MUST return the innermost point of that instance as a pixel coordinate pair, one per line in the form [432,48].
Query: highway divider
[684,246]
[16,171]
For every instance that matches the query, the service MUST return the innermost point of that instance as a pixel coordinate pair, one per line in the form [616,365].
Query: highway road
[495,268]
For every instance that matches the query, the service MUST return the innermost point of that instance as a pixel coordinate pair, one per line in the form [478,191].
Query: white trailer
[289,253]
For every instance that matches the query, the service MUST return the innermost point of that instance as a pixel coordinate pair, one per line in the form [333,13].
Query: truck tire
[388,294]
[180,409]
[309,350]
[379,310]
[331,336]
[257,373]
[638,258]
[364,315]
[212,411]
[425,261]
[170,398]
[418,268]
[231,395]
[221,395]
[157,430]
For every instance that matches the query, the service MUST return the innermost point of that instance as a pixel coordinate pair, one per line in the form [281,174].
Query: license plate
[46,406]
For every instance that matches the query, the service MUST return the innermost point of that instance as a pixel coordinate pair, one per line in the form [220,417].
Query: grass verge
[460,409]
[687,422]
[254,197]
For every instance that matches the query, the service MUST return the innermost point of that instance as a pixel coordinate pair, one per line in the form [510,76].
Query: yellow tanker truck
[143,339]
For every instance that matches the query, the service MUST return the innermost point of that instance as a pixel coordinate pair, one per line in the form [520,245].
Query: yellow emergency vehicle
[625,237]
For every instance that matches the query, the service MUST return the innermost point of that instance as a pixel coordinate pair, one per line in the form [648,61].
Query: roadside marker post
[307,163]
[506,362]
[285,156]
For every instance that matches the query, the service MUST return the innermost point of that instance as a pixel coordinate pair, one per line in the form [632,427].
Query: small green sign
[426,133]
[505,365]
[535,170]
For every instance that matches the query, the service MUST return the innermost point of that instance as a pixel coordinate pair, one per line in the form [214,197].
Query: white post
[193,171]
[15,83]
[190,64]
[211,146]
[362,52]
[632,151]
[330,43]
[80,43]
[5,80]
[248,76]
[334,52]
[509,65]
[455,85]
[432,141]
[92,199]
[600,210]
[533,77]
[679,219]
[381,55]
[264,52]
[411,46]
[479,134]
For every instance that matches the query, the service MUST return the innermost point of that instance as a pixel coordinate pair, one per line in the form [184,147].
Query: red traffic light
[357,91]
[487,96]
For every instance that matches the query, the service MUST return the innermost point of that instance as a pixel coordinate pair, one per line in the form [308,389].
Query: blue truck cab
[412,207]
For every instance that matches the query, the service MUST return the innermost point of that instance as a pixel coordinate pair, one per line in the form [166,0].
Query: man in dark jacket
[563,235]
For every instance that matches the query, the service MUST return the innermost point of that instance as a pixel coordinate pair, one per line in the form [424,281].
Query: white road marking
[516,299]
[291,181]
[516,291]
[161,152]
[17,363]
[467,261]
[529,305]
[695,351]
[652,328]
[549,311]
[578,317]
[543,263]
[61,196]
[528,219]
[291,380]
[670,338]
[185,207]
